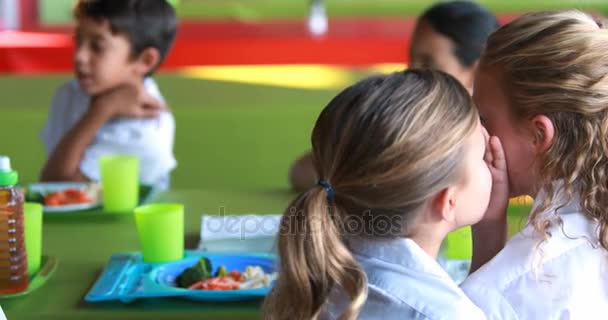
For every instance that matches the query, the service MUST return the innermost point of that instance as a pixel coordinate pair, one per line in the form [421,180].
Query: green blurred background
[229,135]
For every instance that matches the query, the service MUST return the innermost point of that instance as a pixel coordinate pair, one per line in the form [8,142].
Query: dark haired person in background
[450,37]
[113,106]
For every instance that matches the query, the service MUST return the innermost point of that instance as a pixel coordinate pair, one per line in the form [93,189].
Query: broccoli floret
[198,272]
[221,271]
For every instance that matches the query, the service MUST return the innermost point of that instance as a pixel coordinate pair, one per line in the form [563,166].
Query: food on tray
[67,197]
[199,277]
[56,195]
[201,270]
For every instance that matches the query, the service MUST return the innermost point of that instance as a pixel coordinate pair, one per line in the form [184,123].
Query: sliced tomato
[76,196]
[54,199]
[218,283]
[68,196]
[236,275]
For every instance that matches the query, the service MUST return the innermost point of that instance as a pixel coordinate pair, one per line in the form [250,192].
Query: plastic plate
[166,275]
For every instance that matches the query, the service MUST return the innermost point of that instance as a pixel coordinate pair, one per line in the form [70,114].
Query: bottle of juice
[13,259]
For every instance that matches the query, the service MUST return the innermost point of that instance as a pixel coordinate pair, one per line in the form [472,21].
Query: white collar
[567,208]
[562,203]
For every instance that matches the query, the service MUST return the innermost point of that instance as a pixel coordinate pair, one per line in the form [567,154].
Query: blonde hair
[378,145]
[555,63]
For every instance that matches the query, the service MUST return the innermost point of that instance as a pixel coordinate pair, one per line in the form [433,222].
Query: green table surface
[83,242]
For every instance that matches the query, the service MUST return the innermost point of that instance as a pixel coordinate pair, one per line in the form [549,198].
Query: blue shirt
[404,282]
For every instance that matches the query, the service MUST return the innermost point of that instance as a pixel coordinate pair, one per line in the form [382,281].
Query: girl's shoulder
[530,256]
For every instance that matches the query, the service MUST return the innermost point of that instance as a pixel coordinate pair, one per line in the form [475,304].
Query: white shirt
[569,281]
[150,139]
[2,316]
[404,282]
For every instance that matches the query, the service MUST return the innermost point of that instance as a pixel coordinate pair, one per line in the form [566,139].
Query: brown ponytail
[314,259]
[375,144]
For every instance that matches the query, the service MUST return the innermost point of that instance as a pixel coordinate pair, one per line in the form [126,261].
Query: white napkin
[242,233]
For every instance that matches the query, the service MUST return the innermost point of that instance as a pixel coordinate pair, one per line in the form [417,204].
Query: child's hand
[490,234]
[499,198]
[130,101]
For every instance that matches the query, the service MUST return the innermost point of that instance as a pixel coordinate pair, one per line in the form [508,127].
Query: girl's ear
[443,205]
[543,131]
[147,60]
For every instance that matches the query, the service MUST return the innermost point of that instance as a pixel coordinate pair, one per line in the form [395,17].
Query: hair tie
[599,23]
[330,191]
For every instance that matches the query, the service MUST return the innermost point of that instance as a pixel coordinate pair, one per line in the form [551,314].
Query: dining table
[81,243]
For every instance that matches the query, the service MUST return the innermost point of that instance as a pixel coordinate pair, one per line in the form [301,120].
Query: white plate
[92,189]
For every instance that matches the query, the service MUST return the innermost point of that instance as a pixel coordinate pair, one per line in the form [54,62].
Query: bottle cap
[8,176]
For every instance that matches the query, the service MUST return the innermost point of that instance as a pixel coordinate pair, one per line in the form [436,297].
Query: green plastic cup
[120,183]
[517,214]
[161,231]
[459,244]
[33,236]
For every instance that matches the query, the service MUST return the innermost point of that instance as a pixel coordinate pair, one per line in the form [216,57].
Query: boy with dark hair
[114,106]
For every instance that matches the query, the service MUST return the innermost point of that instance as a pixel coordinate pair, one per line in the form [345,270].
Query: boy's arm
[64,162]
[127,101]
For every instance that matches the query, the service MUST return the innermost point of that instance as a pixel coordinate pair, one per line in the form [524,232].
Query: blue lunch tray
[126,277]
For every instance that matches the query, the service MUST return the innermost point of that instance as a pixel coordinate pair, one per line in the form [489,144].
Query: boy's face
[102,60]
